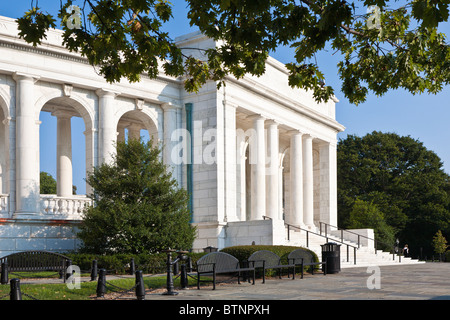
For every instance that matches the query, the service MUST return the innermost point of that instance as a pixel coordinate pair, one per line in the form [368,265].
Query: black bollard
[140,288]
[4,276]
[189,264]
[176,268]
[69,271]
[132,267]
[94,270]
[101,284]
[15,293]
[170,288]
[183,277]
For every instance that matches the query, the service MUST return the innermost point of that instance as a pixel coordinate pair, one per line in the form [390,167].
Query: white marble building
[263,155]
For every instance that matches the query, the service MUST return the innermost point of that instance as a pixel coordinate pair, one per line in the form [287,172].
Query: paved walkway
[428,281]
[425,281]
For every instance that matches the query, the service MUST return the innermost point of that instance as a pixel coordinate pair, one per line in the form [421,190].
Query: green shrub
[242,253]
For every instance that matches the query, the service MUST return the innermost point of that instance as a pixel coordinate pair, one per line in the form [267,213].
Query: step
[364,256]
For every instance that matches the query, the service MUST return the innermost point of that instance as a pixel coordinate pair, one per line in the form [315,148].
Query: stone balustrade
[69,207]
[4,203]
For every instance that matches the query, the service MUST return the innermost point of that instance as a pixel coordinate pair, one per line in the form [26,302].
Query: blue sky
[423,117]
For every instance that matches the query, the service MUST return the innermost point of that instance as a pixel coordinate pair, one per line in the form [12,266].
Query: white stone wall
[18,236]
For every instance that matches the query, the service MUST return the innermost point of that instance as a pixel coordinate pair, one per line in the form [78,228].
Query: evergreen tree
[439,244]
[138,205]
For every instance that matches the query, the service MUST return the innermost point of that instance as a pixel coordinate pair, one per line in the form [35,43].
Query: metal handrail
[359,238]
[327,239]
[342,233]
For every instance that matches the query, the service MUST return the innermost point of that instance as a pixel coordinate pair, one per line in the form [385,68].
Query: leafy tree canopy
[364,215]
[396,45]
[403,179]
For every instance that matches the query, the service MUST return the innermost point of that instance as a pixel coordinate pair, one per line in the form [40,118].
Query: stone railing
[69,207]
[4,203]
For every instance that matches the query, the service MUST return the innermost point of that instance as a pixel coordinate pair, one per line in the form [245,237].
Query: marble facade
[255,154]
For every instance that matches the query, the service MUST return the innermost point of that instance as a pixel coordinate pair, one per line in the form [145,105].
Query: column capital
[63,114]
[17,76]
[256,117]
[134,125]
[107,92]
[166,106]
[272,122]
[294,132]
[229,105]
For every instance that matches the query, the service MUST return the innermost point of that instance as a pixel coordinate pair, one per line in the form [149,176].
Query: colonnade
[100,138]
[266,175]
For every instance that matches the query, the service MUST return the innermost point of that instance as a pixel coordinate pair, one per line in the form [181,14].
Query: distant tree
[365,214]
[402,178]
[138,206]
[439,244]
[47,183]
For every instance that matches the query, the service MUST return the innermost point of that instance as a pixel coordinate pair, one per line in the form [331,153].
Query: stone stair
[365,256]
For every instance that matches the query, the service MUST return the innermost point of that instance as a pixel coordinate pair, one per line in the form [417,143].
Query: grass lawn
[87,290]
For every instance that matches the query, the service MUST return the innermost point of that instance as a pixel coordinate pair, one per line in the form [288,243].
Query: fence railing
[326,228]
[326,238]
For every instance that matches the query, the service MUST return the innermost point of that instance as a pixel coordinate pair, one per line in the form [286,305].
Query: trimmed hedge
[242,253]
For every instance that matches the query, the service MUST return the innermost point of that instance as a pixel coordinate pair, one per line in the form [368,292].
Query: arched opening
[64,145]
[136,124]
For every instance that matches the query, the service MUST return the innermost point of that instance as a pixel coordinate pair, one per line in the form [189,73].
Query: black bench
[34,261]
[266,259]
[305,258]
[220,263]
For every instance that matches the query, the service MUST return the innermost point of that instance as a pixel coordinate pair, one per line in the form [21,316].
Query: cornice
[287,102]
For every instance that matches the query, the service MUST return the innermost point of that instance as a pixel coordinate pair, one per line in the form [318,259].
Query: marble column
[328,183]
[107,126]
[258,169]
[230,165]
[272,170]
[121,132]
[170,156]
[27,151]
[296,179]
[134,131]
[64,175]
[308,181]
